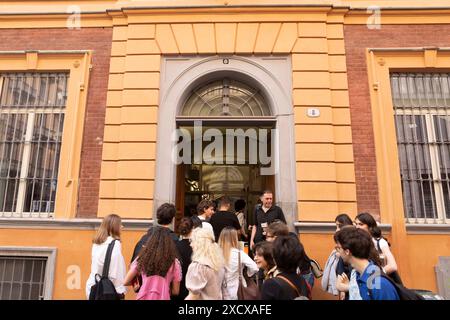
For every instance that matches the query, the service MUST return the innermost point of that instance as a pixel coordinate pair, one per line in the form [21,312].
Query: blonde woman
[109,230]
[205,273]
[228,241]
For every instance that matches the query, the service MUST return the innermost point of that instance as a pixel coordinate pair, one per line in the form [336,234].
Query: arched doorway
[234,124]
[271,76]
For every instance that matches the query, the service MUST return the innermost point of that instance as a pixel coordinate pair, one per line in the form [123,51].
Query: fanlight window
[226,98]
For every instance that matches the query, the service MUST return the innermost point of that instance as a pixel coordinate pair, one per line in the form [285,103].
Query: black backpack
[104,289]
[403,292]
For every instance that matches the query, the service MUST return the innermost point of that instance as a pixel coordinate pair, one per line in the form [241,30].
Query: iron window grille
[26,273]
[32,108]
[422,118]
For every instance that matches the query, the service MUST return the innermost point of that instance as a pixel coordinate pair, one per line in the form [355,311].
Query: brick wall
[357,39]
[98,40]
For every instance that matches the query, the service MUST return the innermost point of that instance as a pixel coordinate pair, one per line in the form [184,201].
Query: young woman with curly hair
[159,267]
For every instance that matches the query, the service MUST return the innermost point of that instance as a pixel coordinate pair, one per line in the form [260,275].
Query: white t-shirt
[353,289]
[117,269]
[206,225]
[383,246]
[230,287]
[383,243]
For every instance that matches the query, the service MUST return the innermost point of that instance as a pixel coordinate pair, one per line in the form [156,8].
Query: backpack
[315,268]
[403,292]
[104,289]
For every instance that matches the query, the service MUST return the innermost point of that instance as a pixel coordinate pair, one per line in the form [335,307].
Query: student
[366,222]
[287,285]
[342,221]
[346,282]
[224,217]
[164,216]
[265,214]
[239,208]
[228,241]
[109,230]
[355,246]
[205,210]
[184,248]
[206,272]
[264,261]
[158,266]
[279,228]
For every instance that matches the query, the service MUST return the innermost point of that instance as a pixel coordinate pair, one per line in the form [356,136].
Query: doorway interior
[234,174]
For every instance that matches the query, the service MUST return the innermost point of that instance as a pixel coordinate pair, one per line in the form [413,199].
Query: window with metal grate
[32,108]
[422,118]
[22,278]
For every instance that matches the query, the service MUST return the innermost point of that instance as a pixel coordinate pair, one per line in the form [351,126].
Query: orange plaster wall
[319,247]
[73,248]
[424,251]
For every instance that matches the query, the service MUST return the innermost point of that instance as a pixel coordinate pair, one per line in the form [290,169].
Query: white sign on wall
[313,112]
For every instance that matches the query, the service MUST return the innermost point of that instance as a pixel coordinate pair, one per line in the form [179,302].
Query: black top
[145,237]
[278,289]
[185,251]
[274,213]
[222,219]
[251,218]
[305,263]
[342,267]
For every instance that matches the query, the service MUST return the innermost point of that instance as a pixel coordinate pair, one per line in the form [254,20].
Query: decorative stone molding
[81,224]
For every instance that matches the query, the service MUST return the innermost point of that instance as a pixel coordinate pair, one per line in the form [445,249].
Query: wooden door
[179,198]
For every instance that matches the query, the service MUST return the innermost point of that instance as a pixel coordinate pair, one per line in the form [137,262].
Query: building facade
[352,101]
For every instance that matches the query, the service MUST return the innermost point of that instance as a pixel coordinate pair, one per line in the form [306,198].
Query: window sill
[327,227]
[83,224]
[421,228]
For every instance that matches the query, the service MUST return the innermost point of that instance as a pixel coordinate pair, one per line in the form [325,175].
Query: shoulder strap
[289,283]
[378,245]
[108,259]
[239,266]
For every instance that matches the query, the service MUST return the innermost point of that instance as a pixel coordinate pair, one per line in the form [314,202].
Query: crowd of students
[361,266]
[205,259]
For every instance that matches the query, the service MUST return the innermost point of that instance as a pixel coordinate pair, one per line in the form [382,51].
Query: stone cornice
[82,224]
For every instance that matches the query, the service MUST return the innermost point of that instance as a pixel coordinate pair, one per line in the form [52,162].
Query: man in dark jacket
[265,215]
[164,215]
[224,218]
